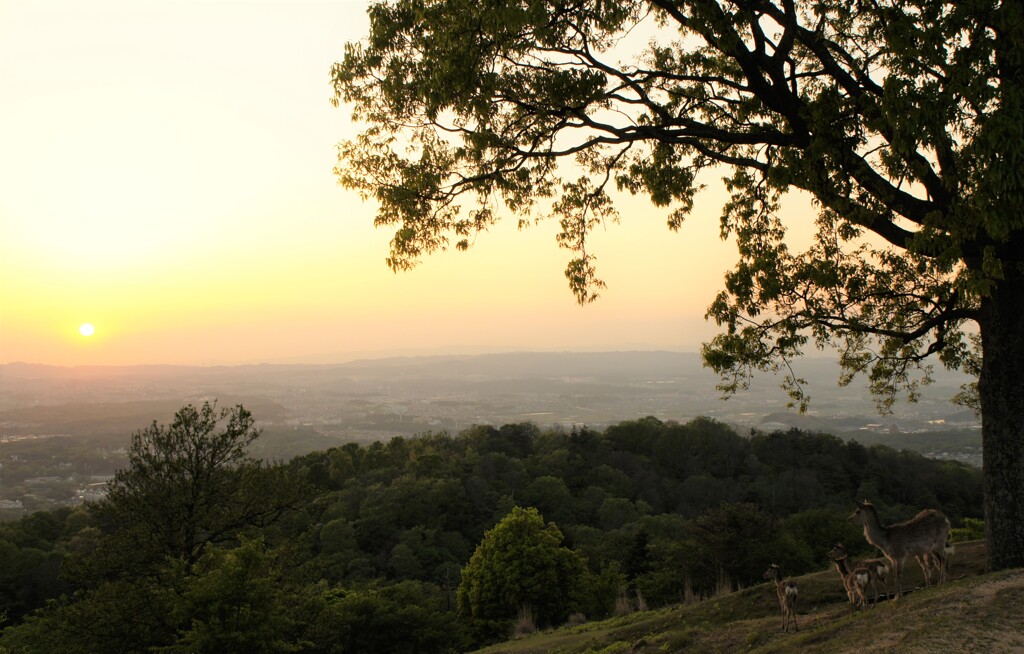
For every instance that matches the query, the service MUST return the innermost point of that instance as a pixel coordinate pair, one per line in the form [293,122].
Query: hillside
[976,612]
[367,548]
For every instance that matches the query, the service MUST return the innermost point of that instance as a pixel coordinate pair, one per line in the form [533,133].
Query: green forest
[437,542]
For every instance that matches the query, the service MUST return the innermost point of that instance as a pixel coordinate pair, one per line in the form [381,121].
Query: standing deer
[855,578]
[787,592]
[923,537]
[878,569]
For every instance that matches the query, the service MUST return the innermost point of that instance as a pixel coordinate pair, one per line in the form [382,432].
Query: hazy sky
[165,175]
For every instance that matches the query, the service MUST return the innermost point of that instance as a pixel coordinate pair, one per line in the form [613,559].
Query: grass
[975,612]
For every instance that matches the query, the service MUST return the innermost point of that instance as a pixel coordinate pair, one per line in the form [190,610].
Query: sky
[166,176]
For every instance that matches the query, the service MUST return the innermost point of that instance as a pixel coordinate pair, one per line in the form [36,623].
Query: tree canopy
[903,120]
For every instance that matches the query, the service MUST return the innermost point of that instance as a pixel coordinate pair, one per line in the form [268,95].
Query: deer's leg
[898,571]
[926,568]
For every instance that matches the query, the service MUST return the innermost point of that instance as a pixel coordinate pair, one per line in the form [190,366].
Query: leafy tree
[30,559]
[616,512]
[189,484]
[902,119]
[521,562]
[124,615]
[235,600]
[817,530]
[551,497]
[737,539]
[406,617]
[403,562]
[636,436]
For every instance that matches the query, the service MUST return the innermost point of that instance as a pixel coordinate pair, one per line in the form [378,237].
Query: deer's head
[838,552]
[860,516]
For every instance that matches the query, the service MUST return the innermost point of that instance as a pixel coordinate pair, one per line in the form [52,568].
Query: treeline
[363,548]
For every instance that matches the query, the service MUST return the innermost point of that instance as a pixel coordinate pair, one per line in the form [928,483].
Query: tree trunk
[1001,391]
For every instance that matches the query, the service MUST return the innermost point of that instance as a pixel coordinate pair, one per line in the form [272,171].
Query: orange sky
[166,175]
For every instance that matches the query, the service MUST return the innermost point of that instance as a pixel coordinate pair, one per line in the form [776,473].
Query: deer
[786,591]
[931,560]
[923,537]
[878,569]
[855,578]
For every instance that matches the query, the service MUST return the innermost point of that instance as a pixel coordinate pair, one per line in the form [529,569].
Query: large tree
[521,563]
[903,119]
[191,484]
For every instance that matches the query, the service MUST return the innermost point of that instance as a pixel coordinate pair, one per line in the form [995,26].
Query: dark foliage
[374,556]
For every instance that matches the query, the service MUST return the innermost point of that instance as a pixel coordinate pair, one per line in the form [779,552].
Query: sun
[86,329]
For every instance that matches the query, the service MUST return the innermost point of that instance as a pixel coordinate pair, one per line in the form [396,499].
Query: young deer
[855,580]
[787,592]
[923,537]
[877,569]
[930,560]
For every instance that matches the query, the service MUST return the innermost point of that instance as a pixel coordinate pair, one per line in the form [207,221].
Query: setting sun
[199,243]
[86,329]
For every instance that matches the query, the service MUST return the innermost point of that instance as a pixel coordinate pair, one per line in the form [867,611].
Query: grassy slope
[976,613]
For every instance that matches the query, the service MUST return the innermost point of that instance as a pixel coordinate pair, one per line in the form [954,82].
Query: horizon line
[355,358]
